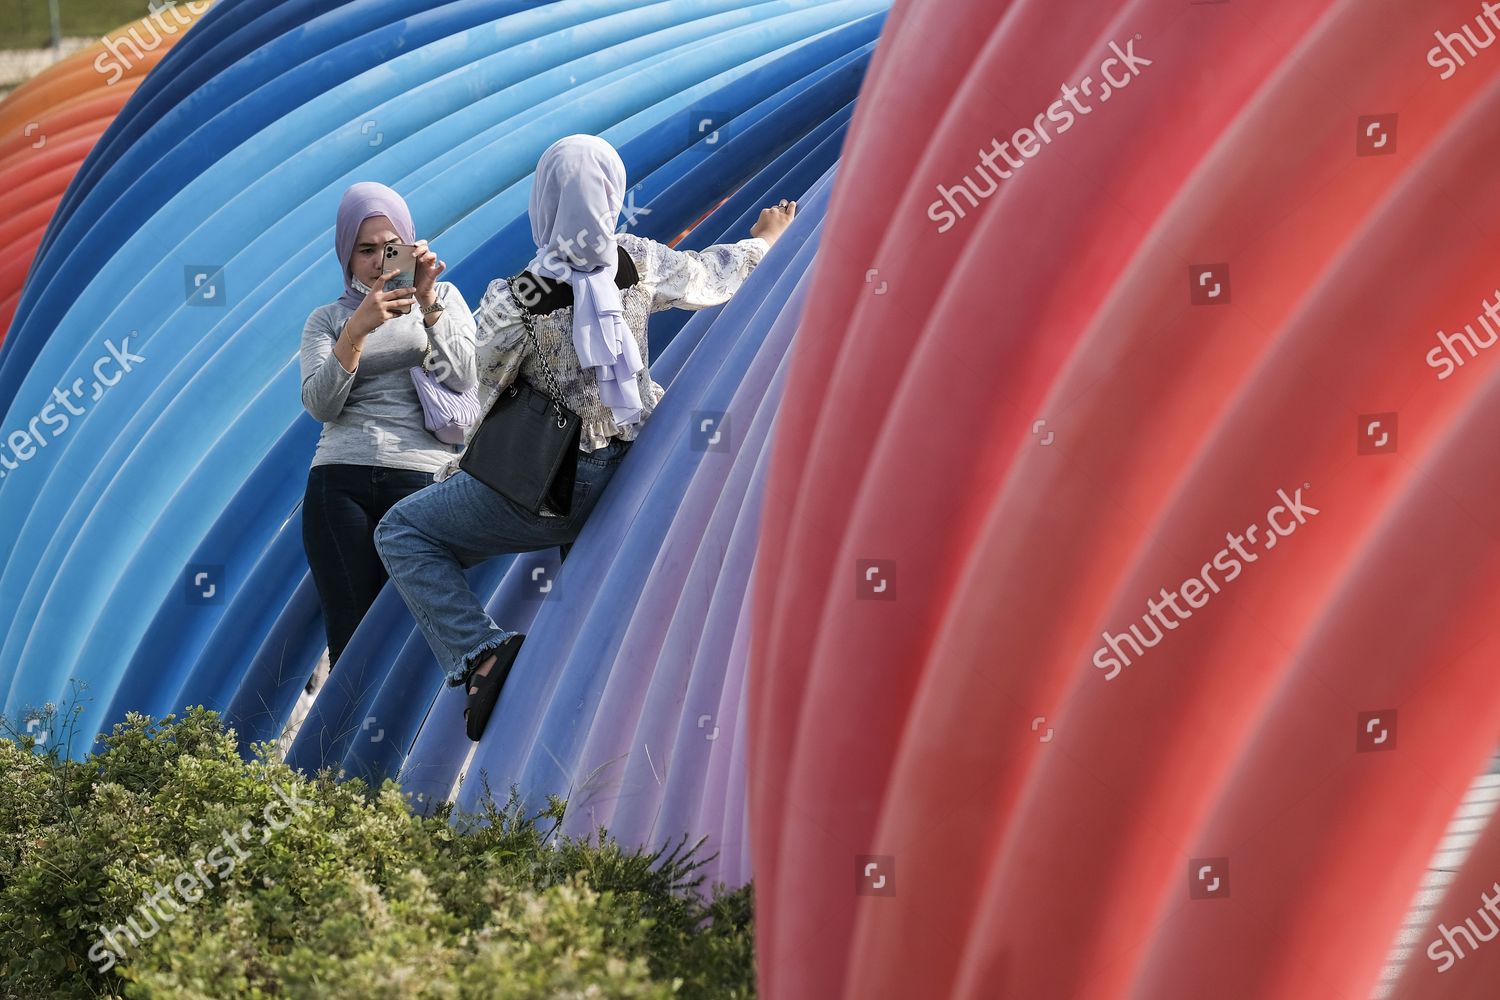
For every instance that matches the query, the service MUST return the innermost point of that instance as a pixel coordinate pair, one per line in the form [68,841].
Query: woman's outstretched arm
[693,279]
[698,279]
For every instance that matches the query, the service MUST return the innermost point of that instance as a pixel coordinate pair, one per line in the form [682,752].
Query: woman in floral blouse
[589,291]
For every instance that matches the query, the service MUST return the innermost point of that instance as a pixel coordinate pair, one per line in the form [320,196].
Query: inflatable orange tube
[29,192]
[90,114]
[126,53]
[49,125]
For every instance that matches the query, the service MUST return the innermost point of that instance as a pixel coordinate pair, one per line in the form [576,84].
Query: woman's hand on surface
[380,305]
[429,268]
[773,221]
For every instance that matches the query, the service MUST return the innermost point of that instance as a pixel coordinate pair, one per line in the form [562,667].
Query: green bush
[292,887]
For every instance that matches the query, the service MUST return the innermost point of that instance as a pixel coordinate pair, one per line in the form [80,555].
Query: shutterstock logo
[1124,648]
[1446,358]
[1209,284]
[875,875]
[1448,949]
[23,443]
[1008,155]
[1449,53]
[875,580]
[1377,433]
[122,51]
[1375,731]
[1208,878]
[1376,135]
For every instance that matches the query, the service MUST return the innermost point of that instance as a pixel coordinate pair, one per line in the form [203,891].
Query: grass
[28,23]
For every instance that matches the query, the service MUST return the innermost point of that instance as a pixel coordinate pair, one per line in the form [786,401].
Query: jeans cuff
[460,677]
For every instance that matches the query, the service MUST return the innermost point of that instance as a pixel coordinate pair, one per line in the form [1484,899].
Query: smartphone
[402,258]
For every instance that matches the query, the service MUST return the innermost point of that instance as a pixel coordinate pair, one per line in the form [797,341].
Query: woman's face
[368,260]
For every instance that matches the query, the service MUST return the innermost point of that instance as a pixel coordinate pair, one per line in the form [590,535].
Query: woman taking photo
[357,359]
[585,295]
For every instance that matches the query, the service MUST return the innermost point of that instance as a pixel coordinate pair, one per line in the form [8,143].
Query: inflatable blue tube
[627,626]
[541,722]
[194,699]
[683,658]
[140,654]
[383,749]
[224,664]
[345,699]
[109,518]
[279,668]
[180,145]
[232,552]
[220,43]
[415,680]
[796,170]
[218,673]
[3,496]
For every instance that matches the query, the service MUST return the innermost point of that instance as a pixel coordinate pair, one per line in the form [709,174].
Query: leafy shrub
[330,888]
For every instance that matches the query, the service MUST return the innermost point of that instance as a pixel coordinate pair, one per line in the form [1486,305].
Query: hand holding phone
[429,269]
[381,304]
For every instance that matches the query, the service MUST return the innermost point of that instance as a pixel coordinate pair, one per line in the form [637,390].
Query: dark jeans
[342,505]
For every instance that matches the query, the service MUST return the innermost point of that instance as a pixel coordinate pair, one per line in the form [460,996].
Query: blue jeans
[427,540]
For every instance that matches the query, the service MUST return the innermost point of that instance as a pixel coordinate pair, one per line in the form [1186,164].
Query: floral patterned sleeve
[498,318]
[499,340]
[693,279]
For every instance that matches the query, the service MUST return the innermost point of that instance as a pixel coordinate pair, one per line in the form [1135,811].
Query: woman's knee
[390,526]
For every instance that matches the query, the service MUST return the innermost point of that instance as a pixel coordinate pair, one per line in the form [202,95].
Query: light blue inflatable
[152,550]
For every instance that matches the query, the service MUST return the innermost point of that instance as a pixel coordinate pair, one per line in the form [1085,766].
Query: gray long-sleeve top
[372,416]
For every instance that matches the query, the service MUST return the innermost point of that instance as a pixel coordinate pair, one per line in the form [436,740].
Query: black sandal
[487,694]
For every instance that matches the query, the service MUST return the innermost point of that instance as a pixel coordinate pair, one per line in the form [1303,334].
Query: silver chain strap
[553,391]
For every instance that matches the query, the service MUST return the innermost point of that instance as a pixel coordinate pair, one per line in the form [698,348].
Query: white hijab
[576,200]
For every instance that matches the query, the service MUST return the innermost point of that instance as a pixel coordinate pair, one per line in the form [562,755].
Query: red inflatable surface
[1029,415]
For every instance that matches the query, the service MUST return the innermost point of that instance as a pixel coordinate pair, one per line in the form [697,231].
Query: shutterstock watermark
[107,950]
[24,443]
[164,22]
[1450,50]
[1063,113]
[1445,357]
[1489,909]
[1283,519]
[589,243]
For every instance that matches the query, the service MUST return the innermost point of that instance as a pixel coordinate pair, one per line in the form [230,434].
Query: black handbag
[526,449]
